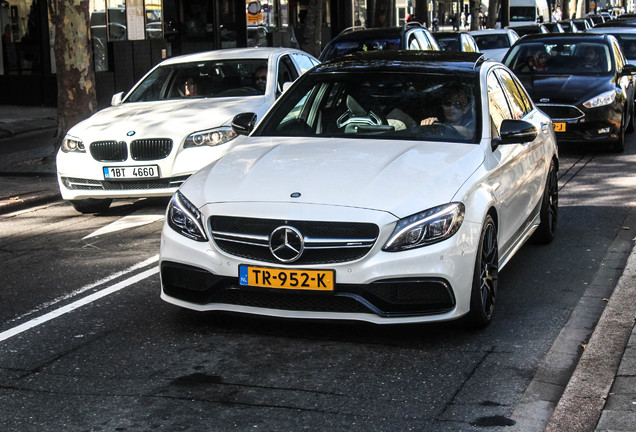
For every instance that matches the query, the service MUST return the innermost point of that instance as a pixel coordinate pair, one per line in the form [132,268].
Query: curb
[581,404]
[28,200]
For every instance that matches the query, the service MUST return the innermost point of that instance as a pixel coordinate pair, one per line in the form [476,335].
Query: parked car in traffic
[554,27]
[583,23]
[626,37]
[386,186]
[569,26]
[411,36]
[174,121]
[494,43]
[523,30]
[596,19]
[456,41]
[582,81]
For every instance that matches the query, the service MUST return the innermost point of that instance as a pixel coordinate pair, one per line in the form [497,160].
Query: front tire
[484,288]
[549,209]
[619,145]
[91,205]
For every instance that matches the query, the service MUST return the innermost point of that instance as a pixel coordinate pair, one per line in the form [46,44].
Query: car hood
[570,89]
[400,177]
[166,118]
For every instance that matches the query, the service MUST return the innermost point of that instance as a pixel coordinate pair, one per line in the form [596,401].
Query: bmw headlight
[601,100]
[185,218]
[425,228]
[72,144]
[210,137]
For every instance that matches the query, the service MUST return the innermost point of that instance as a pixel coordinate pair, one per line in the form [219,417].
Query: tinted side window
[286,71]
[618,54]
[413,43]
[423,40]
[497,105]
[517,101]
[304,63]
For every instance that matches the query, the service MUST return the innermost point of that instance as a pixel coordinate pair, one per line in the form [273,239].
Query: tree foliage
[76,96]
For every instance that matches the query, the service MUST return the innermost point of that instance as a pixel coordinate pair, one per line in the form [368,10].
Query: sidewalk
[26,181]
[601,393]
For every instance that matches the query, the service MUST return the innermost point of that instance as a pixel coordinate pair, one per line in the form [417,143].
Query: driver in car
[457,112]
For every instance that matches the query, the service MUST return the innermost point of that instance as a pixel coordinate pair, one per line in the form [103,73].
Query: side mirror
[244,123]
[515,132]
[629,69]
[287,85]
[116,100]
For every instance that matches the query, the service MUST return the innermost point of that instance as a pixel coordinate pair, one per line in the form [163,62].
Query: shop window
[21,49]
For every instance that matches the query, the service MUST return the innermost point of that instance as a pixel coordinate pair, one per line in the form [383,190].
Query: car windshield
[375,105]
[204,79]
[492,41]
[555,57]
[627,41]
[343,47]
[448,43]
[522,13]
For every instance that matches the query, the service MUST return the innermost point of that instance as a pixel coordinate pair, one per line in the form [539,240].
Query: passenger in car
[457,111]
[260,79]
[191,88]
[590,58]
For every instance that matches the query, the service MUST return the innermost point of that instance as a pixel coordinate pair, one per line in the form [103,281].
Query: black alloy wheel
[485,278]
[619,145]
[549,213]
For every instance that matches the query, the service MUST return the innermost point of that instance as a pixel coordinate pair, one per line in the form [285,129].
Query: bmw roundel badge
[130,133]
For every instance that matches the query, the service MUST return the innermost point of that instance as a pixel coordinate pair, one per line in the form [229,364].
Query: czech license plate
[131,172]
[559,127]
[317,280]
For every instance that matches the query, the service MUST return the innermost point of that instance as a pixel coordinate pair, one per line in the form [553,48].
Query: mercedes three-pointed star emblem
[286,243]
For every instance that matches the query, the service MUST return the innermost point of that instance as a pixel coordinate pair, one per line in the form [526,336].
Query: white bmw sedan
[387,187]
[495,43]
[174,121]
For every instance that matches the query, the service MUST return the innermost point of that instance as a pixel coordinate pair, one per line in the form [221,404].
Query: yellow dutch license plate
[559,127]
[317,280]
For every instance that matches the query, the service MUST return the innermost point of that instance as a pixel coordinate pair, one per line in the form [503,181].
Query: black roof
[361,34]
[548,37]
[461,63]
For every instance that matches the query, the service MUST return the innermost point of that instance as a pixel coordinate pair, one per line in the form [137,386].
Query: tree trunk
[313,28]
[474,14]
[76,97]
[493,12]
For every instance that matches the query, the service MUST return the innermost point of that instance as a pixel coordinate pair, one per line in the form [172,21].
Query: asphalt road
[86,343]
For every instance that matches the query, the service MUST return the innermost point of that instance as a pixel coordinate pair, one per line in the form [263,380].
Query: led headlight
[601,100]
[72,144]
[185,218]
[210,137]
[425,228]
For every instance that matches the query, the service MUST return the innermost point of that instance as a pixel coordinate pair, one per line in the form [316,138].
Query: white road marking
[126,222]
[77,304]
[85,288]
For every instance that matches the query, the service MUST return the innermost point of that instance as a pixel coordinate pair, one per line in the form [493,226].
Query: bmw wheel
[484,289]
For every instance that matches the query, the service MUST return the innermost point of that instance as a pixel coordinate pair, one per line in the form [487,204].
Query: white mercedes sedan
[173,122]
[386,187]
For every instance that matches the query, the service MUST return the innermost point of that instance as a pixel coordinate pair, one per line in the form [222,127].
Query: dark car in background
[456,41]
[554,27]
[626,37]
[582,81]
[583,23]
[569,26]
[523,30]
[411,36]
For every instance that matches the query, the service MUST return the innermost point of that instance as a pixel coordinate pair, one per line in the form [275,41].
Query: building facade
[128,37]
